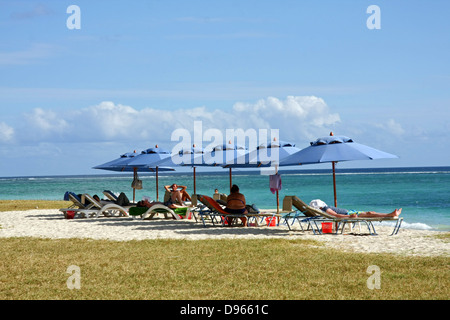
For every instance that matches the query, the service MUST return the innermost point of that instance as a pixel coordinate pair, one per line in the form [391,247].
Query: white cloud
[6,132]
[392,127]
[297,118]
[45,123]
[108,119]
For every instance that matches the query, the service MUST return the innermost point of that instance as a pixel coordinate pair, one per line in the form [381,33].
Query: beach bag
[136,184]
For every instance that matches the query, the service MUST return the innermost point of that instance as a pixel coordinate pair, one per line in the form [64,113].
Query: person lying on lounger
[344,213]
[147,204]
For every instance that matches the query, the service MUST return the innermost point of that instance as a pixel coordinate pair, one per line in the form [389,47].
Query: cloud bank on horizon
[108,129]
[299,118]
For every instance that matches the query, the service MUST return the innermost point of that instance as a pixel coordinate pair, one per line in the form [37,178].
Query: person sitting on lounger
[344,213]
[236,204]
[177,197]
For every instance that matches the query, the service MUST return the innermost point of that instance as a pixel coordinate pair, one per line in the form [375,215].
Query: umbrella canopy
[119,164]
[123,164]
[192,156]
[334,149]
[149,156]
[224,154]
[265,155]
[148,160]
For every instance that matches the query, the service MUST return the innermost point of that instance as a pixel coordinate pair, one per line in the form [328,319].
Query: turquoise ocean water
[423,193]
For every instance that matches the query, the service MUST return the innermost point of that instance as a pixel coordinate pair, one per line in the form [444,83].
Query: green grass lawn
[35,269]
[21,205]
[210,269]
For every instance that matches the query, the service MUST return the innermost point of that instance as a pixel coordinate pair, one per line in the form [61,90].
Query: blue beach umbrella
[149,156]
[119,164]
[224,154]
[148,161]
[265,155]
[334,149]
[123,164]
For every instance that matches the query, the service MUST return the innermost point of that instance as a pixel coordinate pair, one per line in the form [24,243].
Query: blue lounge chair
[316,215]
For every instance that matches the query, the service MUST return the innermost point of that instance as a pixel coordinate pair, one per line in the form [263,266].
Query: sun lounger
[75,199]
[121,199]
[301,215]
[78,207]
[316,215]
[217,213]
[149,213]
[287,212]
[88,207]
[214,211]
[110,195]
[108,209]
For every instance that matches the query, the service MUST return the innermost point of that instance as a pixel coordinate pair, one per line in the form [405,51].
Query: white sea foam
[406,225]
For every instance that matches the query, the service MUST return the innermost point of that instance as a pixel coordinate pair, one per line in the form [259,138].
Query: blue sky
[138,70]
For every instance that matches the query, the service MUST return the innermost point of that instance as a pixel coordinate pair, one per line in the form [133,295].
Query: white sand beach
[51,224]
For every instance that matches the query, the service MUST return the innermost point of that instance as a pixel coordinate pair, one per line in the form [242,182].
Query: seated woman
[236,204]
[343,213]
[176,196]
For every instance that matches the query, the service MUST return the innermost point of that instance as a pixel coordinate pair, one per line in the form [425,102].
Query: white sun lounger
[94,209]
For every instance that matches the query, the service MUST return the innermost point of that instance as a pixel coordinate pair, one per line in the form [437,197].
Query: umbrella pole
[334,183]
[157,195]
[278,200]
[195,192]
[334,187]
[230,180]
[134,190]
[278,203]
